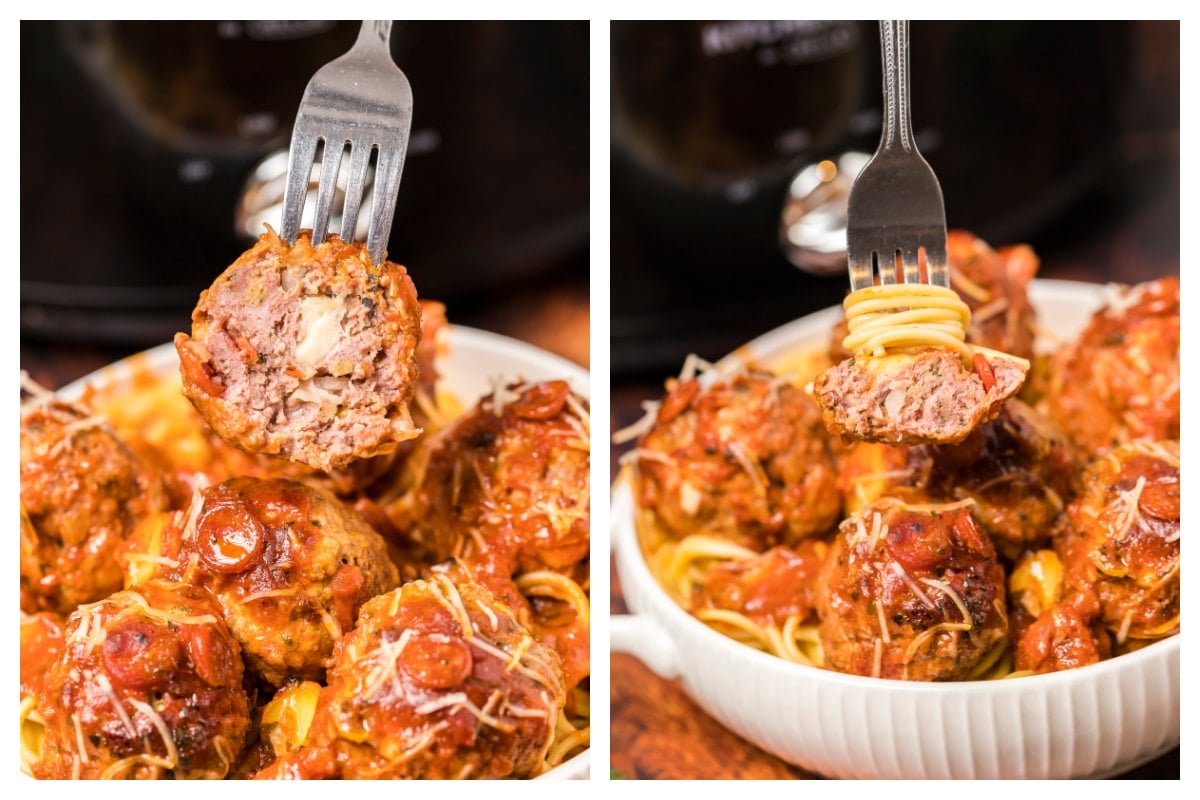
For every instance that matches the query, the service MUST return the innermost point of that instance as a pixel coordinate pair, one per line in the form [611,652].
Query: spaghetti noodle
[898,316]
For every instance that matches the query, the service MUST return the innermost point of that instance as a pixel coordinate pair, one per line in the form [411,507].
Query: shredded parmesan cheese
[250,598]
[883,627]
[754,469]
[899,570]
[80,742]
[161,725]
[644,424]
[106,687]
[385,668]
[1126,506]
[1123,632]
[948,590]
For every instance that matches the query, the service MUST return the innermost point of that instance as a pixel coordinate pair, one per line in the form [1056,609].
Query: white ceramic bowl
[473,359]
[1098,720]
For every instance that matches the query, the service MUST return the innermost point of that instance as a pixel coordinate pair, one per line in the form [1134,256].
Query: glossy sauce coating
[149,684]
[1119,380]
[438,680]
[82,492]
[41,643]
[505,487]
[1121,539]
[289,565]
[1020,470]
[768,588]
[911,592]
[744,458]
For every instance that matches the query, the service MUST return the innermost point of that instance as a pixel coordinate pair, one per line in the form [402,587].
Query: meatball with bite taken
[743,457]
[306,351]
[923,396]
[437,680]
[82,492]
[148,685]
[289,565]
[911,590]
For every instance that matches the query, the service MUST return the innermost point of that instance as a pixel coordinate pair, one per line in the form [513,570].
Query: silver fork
[895,207]
[361,100]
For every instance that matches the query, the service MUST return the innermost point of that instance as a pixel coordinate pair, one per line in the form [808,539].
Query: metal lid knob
[812,229]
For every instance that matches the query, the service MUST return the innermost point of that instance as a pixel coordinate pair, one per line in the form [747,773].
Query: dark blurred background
[146,169]
[1064,135]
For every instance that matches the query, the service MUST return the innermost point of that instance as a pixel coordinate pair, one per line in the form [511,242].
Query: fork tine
[331,162]
[360,157]
[936,263]
[911,262]
[300,160]
[387,183]
[886,263]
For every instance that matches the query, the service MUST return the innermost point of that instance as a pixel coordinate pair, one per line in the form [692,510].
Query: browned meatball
[82,491]
[912,592]
[1120,379]
[1019,469]
[923,396]
[438,680]
[289,565]
[149,686]
[306,352]
[744,457]
[1121,539]
[505,487]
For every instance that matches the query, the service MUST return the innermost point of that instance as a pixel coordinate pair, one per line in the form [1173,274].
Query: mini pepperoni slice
[542,401]
[437,661]
[140,655]
[229,537]
[1160,498]
[211,656]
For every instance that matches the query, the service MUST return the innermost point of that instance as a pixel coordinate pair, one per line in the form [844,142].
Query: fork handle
[897,121]
[375,34]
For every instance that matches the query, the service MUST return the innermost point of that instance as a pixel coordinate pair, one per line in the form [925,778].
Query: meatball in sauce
[438,680]
[743,457]
[82,492]
[911,590]
[148,685]
[289,565]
